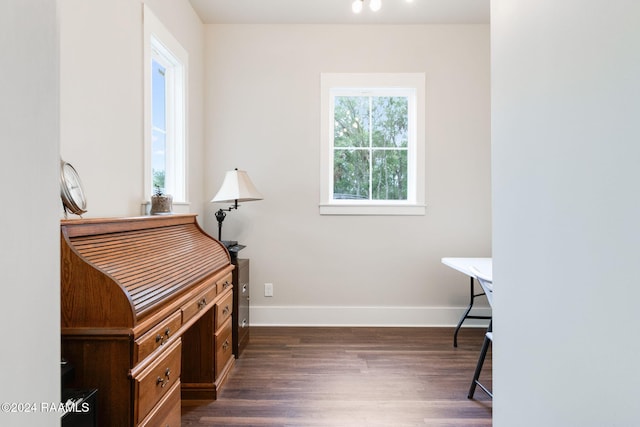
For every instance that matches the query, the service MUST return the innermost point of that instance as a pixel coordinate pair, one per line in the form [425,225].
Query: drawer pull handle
[202,303]
[161,381]
[225,310]
[160,338]
[225,345]
[226,284]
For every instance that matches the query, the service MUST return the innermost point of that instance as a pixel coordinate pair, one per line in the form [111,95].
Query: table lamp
[236,187]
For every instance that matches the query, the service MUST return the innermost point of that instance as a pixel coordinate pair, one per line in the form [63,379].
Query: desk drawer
[224,347]
[224,308]
[167,412]
[157,336]
[156,380]
[200,303]
[224,283]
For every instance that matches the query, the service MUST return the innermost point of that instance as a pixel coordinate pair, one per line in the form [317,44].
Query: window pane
[158,96]
[159,126]
[158,158]
[351,121]
[389,179]
[390,121]
[351,174]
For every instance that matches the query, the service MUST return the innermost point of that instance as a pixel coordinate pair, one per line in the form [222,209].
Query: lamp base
[228,243]
[233,247]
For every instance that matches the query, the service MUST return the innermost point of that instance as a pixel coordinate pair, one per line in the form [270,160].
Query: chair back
[485,282]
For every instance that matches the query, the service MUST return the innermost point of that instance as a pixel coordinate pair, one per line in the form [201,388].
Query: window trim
[161,45]
[332,83]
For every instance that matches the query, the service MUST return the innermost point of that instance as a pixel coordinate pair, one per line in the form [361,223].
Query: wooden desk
[146,307]
[463,265]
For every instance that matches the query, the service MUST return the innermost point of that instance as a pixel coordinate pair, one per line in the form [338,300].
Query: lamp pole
[220,216]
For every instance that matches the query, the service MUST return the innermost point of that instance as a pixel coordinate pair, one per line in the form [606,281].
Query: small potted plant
[161,204]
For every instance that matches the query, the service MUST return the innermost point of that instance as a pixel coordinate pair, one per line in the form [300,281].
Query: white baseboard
[363,316]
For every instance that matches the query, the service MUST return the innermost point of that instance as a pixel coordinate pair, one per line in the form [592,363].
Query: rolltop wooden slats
[149,264]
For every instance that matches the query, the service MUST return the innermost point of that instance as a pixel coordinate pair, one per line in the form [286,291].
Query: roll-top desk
[146,314]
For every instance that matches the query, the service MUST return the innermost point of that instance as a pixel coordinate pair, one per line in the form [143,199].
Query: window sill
[178,208]
[359,209]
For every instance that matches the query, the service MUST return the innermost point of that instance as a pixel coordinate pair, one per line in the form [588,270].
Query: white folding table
[464,265]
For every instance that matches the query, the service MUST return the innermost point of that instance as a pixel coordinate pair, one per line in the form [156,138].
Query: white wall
[566,203]
[263,111]
[102,114]
[29,253]
[101,101]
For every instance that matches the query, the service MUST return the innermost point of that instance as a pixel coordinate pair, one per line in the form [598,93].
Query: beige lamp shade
[237,187]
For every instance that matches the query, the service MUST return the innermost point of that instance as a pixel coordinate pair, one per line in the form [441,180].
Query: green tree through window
[370,144]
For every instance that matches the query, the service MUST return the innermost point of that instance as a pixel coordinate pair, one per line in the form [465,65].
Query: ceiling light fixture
[358,5]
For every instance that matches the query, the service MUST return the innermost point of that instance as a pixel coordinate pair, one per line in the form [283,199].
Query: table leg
[466,315]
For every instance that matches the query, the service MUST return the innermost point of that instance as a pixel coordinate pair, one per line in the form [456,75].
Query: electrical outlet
[268,289]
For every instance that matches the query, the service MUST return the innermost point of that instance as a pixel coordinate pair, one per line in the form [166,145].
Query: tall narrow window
[165,111]
[372,135]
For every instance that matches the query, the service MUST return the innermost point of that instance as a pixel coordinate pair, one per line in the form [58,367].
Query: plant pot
[161,205]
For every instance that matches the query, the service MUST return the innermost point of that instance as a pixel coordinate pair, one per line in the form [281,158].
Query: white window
[165,111]
[372,138]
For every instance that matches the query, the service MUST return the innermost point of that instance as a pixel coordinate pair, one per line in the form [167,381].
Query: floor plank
[326,377]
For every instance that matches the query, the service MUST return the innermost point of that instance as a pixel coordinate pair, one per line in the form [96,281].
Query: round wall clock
[71,192]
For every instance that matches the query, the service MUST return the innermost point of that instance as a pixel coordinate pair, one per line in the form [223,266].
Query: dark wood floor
[330,377]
